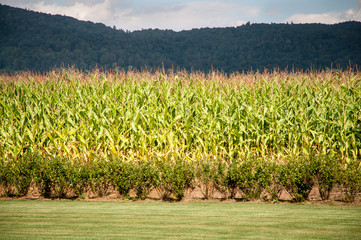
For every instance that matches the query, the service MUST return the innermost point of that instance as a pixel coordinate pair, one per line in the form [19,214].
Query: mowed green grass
[162,220]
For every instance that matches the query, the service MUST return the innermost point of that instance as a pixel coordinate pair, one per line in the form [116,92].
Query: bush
[123,176]
[261,178]
[220,178]
[233,177]
[2,177]
[207,176]
[146,176]
[275,186]
[17,174]
[44,178]
[100,178]
[327,168]
[298,177]
[172,177]
[350,180]
[176,176]
[78,177]
[60,180]
[8,181]
[52,177]
[251,176]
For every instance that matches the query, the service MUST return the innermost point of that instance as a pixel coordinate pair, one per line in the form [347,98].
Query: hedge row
[172,177]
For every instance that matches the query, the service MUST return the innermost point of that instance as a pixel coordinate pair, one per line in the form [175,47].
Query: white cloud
[190,15]
[179,16]
[99,12]
[353,14]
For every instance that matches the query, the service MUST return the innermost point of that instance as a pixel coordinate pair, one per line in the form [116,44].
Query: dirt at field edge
[196,195]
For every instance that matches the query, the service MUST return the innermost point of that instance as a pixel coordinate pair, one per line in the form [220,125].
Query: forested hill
[38,42]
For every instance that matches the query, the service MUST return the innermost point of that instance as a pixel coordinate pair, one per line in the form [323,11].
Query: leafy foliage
[38,42]
[52,177]
[74,133]
[207,176]
[177,176]
[173,177]
[100,178]
[139,115]
[17,173]
[350,179]
[328,169]
[298,177]
[146,177]
[123,176]
[250,176]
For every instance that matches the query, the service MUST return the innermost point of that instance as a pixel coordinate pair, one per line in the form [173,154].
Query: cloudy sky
[187,14]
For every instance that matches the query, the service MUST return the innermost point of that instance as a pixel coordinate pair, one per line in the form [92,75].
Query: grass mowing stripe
[149,220]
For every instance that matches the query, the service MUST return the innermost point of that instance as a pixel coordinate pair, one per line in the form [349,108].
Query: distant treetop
[38,42]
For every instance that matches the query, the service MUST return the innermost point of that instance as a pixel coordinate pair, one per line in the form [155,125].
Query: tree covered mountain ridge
[36,41]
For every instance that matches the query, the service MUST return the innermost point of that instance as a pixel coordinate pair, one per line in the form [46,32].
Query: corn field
[139,115]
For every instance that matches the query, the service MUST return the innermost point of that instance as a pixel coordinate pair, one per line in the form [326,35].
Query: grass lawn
[20,219]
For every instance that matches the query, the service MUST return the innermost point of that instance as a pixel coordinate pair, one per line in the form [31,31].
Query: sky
[188,14]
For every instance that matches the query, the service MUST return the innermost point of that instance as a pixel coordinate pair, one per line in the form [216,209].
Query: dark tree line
[38,42]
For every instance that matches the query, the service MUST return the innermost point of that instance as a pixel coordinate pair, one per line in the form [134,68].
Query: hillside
[38,42]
